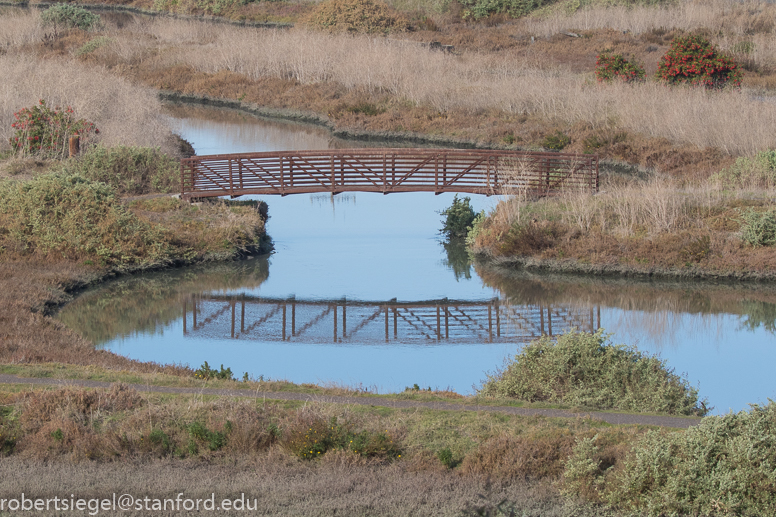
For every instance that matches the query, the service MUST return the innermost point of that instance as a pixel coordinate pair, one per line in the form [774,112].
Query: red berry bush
[692,59]
[42,131]
[610,66]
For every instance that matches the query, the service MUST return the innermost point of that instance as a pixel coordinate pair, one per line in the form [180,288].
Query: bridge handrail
[387,170]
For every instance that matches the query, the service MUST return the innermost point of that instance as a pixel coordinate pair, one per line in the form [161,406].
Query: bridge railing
[387,171]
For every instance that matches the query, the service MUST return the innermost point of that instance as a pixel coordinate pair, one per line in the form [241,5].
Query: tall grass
[473,82]
[125,113]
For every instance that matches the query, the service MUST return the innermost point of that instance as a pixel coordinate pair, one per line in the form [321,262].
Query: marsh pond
[361,291]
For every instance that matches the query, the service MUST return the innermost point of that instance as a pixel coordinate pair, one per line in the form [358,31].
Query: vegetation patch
[309,438]
[357,16]
[130,170]
[722,466]
[73,217]
[757,172]
[610,66]
[692,59]
[63,16]
[586,369]
[758,228]
[458,218]
[45,132]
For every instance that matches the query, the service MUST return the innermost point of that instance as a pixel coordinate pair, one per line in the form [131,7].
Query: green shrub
[130,170]
[758,228]
[313,438]
[610,66]
[458,218]
[214,439]
[757,172]
[206,372]
[557,142]
[692,59]
[92,45]
[76,218]
[725,465]
[45,132]
[67,16]
[481,8]
[585,369]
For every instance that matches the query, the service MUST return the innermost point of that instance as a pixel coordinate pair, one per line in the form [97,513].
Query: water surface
[360,291]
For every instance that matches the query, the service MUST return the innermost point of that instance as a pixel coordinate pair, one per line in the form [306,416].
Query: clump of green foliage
[206,372]
[356,16]
[213,439]
[609,66]
[557,141]
[758,228]
[724,465]
[64,16]
[92,45]
[756,172]
[586,369]
[515,8]
[130,170]
[74,217]
[458,218]
[692,59]
[316,437]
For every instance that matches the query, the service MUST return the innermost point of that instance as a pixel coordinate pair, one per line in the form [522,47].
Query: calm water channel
[361,292]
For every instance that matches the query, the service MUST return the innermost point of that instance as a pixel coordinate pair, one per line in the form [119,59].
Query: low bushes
[585,369]
[65,16]
[358,16]
[74,217]
[312,437]
[692,59]
[44,132]
[130,170]
[611,66]
[725,465]
[755,172]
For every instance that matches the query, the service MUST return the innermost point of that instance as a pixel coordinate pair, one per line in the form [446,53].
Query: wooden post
[541,319]
[293,318]
[439,327]
[549,320]
[284,322]
[194,314]
[498,319]
[233,312]
[395,323]
[344,320]
[231,179]
[386,323]
[447,322]
[74,146]
[335,322]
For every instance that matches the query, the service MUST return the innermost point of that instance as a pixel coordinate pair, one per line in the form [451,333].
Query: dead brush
[538,455]
[80,405]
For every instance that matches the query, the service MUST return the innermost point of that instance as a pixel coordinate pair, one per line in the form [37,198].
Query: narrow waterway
[361,292]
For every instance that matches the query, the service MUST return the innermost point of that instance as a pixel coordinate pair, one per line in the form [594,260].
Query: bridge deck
[387,171]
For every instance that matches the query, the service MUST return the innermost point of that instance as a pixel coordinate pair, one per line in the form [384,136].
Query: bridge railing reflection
[347,321]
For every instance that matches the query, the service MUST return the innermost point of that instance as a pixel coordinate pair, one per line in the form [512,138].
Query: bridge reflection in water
[343,321]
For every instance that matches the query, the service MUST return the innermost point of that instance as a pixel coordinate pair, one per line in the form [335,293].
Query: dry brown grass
[124,113]
[482,95]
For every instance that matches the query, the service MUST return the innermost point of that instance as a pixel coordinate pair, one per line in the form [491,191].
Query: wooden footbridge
[364,322]
[388,171]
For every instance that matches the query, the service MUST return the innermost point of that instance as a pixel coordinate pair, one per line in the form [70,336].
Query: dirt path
[612,418]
